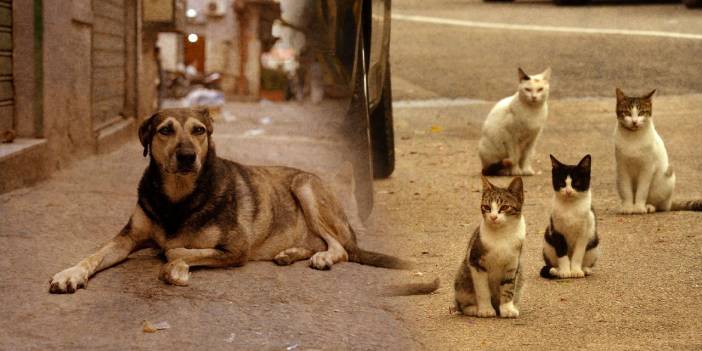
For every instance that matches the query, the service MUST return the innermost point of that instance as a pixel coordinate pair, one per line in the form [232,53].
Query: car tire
[571,2]
[692,3]
[382,134]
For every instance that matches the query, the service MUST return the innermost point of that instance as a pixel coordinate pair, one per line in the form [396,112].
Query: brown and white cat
[513,125]
[645,179]
[489,280]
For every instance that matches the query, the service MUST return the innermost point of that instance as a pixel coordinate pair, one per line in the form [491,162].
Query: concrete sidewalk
[48,227]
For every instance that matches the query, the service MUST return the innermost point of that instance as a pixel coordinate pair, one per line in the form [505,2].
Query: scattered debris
[292,347]
[149,327]
[231,338]
[265,120]
[436,129]
[253,132]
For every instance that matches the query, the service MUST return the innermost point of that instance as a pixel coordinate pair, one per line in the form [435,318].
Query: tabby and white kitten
[645,179]
[490,277]
[513,126]
[571,244]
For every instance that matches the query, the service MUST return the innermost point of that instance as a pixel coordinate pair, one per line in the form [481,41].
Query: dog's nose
[185,158]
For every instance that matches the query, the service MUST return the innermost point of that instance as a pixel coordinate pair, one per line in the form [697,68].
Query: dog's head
[178,139]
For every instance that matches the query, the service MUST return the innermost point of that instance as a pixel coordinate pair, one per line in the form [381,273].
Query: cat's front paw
[485,312]
[639,209]
[650,208]
[562,273]
[509,310]
[528,171]
[515,171]
[576,273]
[626,209]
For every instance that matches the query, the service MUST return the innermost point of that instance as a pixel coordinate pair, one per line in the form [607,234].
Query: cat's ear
[648,96]
[516,187]
[554,162]
[585,163]
[546,74]
[522,75]
[486,184]
[620,94]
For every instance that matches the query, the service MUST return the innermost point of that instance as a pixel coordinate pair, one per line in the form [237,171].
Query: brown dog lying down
[202,210]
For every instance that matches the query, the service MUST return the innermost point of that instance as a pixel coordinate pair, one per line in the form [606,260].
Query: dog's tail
[411,289]
[377,259]
[692,205]
[546,272]
[495,168]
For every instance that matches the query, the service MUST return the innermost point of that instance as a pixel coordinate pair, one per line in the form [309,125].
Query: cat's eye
[167,130]
[485,208]
[540,90]
[528,90]
[198,130]
[505,208]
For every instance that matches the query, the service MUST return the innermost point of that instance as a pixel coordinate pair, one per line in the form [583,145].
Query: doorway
[194,47]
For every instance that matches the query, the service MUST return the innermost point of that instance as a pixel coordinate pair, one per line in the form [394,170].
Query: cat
[571,243]
[490,276]
[513,125]
[645,179]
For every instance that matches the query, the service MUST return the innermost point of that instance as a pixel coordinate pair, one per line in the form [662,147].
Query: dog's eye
[198,130]
[485,208]
[167,130]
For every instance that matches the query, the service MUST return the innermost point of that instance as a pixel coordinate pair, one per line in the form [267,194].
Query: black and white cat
[489,280]
[645,179]
[571,243]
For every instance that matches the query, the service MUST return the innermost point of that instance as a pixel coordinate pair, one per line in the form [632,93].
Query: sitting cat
[645,179]
[570,241]
[513,126]
[490,277]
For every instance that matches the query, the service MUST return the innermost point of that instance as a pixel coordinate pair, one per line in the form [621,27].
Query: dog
[203,210]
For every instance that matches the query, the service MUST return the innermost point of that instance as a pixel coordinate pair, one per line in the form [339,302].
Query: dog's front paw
[175,272]
[650,208]
[509,310]
[322,260]
[69,280]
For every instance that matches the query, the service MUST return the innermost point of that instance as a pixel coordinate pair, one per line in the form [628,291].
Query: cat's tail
[411,289]
[495,168]
[546,272]
[692,205]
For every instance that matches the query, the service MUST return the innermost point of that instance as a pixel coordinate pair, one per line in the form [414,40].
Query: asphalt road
[447,60]
[645,289]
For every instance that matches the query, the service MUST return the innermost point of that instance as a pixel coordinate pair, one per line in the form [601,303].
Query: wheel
[692,3]
[382,134]
[571,2]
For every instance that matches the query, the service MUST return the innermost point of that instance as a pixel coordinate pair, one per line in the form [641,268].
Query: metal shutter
[108,61]
[7,93]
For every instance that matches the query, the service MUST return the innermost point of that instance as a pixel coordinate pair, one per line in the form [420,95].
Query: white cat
[513,126]
[645,179]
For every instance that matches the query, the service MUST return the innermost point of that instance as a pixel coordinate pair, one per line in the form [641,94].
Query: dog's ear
[207,119]
[147,131]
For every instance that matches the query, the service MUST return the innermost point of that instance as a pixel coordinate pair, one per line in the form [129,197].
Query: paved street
[447,78]
[451,60]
